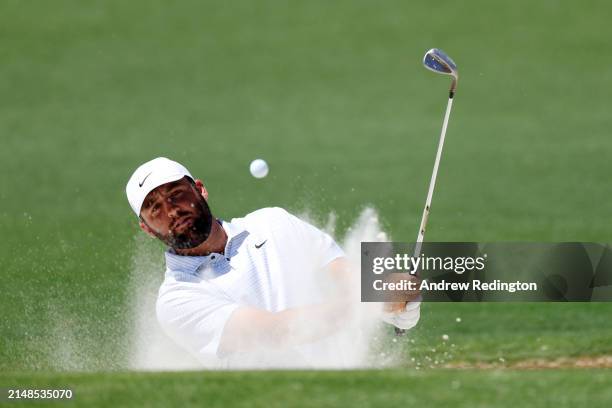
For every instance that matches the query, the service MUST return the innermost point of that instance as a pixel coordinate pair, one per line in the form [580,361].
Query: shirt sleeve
[194,318]
[319,243]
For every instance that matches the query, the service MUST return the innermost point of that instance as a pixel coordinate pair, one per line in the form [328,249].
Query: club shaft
[432,185]
[434,174]
[432,182]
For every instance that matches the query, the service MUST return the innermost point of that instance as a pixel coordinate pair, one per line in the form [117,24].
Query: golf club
[437,61]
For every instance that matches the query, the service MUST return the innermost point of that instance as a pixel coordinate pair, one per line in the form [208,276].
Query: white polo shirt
[271,261]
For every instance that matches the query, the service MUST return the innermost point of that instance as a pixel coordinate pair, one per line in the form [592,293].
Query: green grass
[503,332]
[333,96]
[392,388]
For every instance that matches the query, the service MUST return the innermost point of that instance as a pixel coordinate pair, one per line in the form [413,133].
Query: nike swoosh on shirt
[260,245]
[144,179]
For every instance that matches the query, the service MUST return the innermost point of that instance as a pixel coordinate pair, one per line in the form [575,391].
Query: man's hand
[407,318]
[398,300]
[394,307]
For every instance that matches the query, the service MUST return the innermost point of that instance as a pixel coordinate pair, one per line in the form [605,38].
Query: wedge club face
[437,61]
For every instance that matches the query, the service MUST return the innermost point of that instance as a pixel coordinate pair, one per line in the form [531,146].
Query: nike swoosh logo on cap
[144,179]
[260,245]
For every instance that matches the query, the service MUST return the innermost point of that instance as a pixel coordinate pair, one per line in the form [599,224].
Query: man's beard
[194,234]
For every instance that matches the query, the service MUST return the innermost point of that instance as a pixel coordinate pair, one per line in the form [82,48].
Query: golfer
[244,285]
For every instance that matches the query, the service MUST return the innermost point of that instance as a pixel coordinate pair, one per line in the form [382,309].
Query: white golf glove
[406,319]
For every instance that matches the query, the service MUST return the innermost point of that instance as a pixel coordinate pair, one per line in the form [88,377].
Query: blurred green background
[333,95]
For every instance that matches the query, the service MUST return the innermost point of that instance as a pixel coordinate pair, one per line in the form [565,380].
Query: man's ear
[147,229]
[201,189]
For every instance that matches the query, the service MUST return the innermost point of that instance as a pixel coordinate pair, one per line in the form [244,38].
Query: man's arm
[255,329]
[252,328]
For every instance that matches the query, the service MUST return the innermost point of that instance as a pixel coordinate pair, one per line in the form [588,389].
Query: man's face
[177,214]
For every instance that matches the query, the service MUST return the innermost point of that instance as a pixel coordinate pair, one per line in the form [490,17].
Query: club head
[436,60]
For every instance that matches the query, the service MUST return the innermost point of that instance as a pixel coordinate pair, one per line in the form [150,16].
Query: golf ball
[259,168]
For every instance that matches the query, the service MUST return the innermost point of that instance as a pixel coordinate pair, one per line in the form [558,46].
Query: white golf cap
[151,175]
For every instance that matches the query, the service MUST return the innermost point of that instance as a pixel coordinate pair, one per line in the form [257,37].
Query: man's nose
[172,209]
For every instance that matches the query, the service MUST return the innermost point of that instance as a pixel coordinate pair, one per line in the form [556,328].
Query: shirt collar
[191,264]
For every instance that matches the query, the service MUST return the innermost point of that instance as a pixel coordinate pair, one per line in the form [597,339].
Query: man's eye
[154,209]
